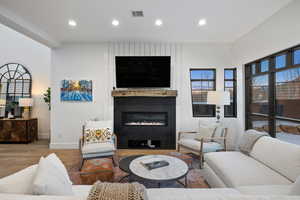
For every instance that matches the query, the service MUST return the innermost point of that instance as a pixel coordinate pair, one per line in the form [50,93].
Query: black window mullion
[272,98]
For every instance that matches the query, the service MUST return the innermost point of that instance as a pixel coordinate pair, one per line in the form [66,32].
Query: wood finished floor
[14,157]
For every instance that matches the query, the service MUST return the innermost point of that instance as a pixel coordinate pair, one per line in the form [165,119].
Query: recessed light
[158,22]
[115,22]
[72,23]
[202,22]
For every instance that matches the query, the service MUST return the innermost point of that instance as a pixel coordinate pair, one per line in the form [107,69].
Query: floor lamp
[218,98]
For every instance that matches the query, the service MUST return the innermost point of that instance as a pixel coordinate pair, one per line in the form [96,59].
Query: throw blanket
[117,191]
[249,139]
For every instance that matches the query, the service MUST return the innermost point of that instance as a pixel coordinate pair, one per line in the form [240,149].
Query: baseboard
[44,135]
[63,146]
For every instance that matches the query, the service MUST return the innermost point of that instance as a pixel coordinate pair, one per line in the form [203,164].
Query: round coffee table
[124,165]
[176,169]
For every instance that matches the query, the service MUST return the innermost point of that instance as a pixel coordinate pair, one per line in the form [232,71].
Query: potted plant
[47,97]
[11,109]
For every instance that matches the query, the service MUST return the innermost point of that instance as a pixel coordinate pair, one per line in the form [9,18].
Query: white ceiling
[227,20]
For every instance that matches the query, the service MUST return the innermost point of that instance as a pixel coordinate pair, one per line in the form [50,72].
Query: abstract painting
[76,90]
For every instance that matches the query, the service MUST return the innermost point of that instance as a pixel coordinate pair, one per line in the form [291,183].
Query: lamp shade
[2,102]
[218,98]
[25,102]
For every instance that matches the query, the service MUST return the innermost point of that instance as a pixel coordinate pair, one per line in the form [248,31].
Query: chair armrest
[80,142]
[180,133]
[214,138]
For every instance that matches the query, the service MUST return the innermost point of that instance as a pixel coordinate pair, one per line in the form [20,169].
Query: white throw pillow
[59,164]
[50,180]
[206,132]
[295,190]
[19,182]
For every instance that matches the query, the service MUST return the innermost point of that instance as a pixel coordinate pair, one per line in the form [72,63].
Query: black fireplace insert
[145,122]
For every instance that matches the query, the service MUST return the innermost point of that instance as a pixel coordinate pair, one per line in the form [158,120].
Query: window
[202,80]
[253,68]
[230,85]
[264,66]
[273,95]
[296,57]
[280,61]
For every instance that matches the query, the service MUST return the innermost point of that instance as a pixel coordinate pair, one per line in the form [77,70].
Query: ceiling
[47,20]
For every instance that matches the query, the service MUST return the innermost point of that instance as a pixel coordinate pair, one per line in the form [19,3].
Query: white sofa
[24,179]
[271,167]
[81,193]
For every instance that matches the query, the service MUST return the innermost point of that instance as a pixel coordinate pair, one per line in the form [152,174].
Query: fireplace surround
[145,122]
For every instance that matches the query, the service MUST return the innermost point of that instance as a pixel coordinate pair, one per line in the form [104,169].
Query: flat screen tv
[143,71]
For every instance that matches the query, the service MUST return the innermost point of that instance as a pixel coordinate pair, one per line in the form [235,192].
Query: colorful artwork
[76,90]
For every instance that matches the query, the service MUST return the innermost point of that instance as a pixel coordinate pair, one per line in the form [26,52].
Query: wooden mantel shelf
[144,93]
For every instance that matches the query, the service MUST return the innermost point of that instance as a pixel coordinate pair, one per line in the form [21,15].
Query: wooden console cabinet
[18,130]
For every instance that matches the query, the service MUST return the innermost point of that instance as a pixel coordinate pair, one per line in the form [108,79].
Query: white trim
[44,135]
[64,146]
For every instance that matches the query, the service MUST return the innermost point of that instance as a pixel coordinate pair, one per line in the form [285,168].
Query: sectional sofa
[267,173]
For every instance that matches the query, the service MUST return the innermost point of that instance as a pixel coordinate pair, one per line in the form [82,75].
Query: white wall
[15,47]
[96,62]
[279,32]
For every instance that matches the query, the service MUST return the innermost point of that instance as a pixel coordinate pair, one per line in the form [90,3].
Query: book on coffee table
[155,164]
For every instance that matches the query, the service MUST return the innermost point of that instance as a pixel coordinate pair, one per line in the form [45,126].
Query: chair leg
[201,161]
[81,164]
[114,160]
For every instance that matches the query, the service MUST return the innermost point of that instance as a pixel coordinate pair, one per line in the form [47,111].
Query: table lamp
[218,98]
[2,103]
[2,106]
[26,103]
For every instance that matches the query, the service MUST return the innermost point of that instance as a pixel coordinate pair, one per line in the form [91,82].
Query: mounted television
[143,71]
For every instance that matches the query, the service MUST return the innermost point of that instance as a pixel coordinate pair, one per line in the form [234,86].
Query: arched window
[15,83]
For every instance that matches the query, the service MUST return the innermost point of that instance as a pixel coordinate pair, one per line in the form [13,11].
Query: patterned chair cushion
[102,135]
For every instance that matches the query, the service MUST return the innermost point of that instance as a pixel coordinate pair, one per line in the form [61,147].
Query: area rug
[194,177]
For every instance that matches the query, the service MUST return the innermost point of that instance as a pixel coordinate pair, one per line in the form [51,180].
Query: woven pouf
[97,169]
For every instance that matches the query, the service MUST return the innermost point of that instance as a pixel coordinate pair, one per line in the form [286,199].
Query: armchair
[191,141]
[97,149]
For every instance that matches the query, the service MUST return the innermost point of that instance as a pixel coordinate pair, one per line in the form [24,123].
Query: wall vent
[137,13]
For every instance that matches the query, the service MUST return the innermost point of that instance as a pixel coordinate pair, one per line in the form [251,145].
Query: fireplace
[144,119]
[145,122]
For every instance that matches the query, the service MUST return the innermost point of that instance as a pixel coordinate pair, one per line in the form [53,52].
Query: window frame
[234,80]
[214,88]
[271,117]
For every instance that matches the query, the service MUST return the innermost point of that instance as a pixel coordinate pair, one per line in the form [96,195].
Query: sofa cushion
[236,169]
[98,124]
[188,194]
[19,182]
[295,188]
[195,145]
[281,156]
[265,189]
[59,164]
[97,148]
[50,180]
